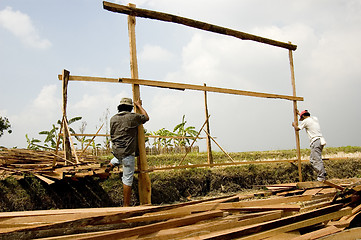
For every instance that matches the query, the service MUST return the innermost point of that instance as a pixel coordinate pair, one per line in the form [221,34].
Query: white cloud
[47,99]
[155,53]
[36,116]
[22,27]
[45,110]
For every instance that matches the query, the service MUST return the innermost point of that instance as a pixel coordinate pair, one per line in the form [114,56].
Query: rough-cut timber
[203,219]
[183,86]
[138,12]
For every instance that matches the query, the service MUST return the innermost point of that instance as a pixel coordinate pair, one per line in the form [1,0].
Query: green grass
[220,157]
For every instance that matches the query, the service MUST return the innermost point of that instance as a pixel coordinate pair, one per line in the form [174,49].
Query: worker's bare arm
[141,109]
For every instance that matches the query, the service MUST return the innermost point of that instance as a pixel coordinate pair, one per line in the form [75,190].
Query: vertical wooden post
[144,181]
[66,142]
[209,147]
[298,149]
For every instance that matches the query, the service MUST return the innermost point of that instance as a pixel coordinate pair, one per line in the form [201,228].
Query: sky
[38,39]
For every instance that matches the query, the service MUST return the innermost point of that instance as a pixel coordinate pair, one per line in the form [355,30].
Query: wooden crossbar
[148,136]
[138,12]
[178,86]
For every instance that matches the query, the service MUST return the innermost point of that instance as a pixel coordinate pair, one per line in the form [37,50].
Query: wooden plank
[354,211]
[66,142]
[272,207]
[295,116]
[33,214]
[209,143]
[256,203]
[130,211]
[207,88]
[216,225]
[319,233]
[298,225]
[66,129]
[272,228]
[282,185]
[289,193]
[122,233]
[97,223]
[224,151]
[45,179]
[130,10]
[312,192]
[172,85]
[144,185]
[349,234]
[286,235]
[315,206]
[333,185]
[328,190]
[308,185]
[149,136]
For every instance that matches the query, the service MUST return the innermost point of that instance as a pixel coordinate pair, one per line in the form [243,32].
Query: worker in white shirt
[317,142]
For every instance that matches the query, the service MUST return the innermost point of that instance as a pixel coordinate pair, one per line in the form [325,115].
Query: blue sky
[40,38]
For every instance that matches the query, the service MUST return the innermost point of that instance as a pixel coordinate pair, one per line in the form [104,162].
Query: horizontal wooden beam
[182,86]
[108,135]
[138,12]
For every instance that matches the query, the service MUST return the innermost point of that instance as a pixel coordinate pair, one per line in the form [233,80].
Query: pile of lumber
[306,210]
[47,165]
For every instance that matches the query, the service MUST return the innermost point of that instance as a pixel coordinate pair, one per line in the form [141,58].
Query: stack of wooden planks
[298,211]
[46,165]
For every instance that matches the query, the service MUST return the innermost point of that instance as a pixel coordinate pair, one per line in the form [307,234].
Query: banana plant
[181,130]
[52,134]
[163,142]
[32,143]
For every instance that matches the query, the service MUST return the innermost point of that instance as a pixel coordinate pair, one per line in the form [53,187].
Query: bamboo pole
[138,12]
[57,145]
[92,139]
[66,129]
[171,85]
[209,146]
[200,130]
[66,142]
[295,115]
[149,136]
[224,151]
[144,181]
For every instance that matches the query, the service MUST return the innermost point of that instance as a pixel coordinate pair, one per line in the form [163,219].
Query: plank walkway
[307,210]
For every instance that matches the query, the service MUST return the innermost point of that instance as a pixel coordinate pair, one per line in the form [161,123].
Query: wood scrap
[285,210]
[218,218]
[17,162]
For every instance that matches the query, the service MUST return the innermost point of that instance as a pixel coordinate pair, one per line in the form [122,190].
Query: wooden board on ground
[217,218]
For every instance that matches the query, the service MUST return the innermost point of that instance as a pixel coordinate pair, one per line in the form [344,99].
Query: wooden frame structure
[133,12]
